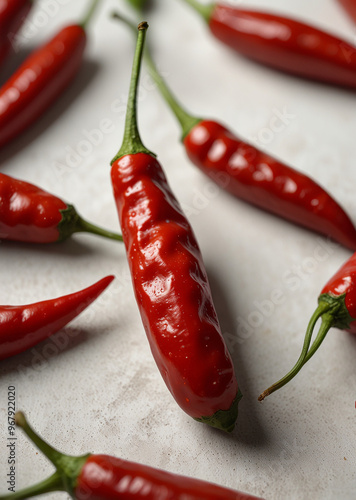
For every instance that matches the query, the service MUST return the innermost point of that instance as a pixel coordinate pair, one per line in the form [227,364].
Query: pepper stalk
[333,313]
[68,467]
[132,142]
[185,119]
[90,13]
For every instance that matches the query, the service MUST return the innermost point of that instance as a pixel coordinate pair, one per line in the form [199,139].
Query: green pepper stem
[204,10]
[83,226]
[52,454]
[186,120]
[71,223]
[132,143]
[53,483]
[328,321]
[89,15]
[68,467]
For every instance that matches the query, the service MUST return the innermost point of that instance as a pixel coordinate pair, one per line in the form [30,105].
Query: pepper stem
[68,467]
[52,454]
[186,120]
[53,483]
[84,226]
[204,10]
[73,223]
[328,320]
[89,14]
[132,143]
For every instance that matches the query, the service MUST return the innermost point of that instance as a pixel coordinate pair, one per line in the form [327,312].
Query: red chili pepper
[40,80]
[336,309]
[29,214]
[12,15]
[282,43]
[350,6]
[101,477]
[22,327]
[254,176]
[170,280]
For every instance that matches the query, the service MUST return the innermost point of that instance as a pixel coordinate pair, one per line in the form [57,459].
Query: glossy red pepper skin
[39,81]
[30,214]
[350,7]
[27,213]
[107,478]
[285,44]
[343,284]
[172,290]
[12,15]
[23,327]
[263,181]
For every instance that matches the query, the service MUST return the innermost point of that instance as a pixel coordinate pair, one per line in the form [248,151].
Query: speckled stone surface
[94,387]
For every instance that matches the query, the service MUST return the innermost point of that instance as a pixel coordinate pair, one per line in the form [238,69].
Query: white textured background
[94,387]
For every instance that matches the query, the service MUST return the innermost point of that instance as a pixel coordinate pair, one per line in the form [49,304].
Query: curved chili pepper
[170,281]
[23,327]
[254,176]
[282,43]
[12,15]
[29,214]
[101,477]
[350,7]
[336,309]
[41,79]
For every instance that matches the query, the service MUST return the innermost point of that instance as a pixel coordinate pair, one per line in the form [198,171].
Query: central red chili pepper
[23,327]
[101,477]
[12,15]
[337,309]
[170,281]
[282,43]
[29,214]
[254,176]
[41,79]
